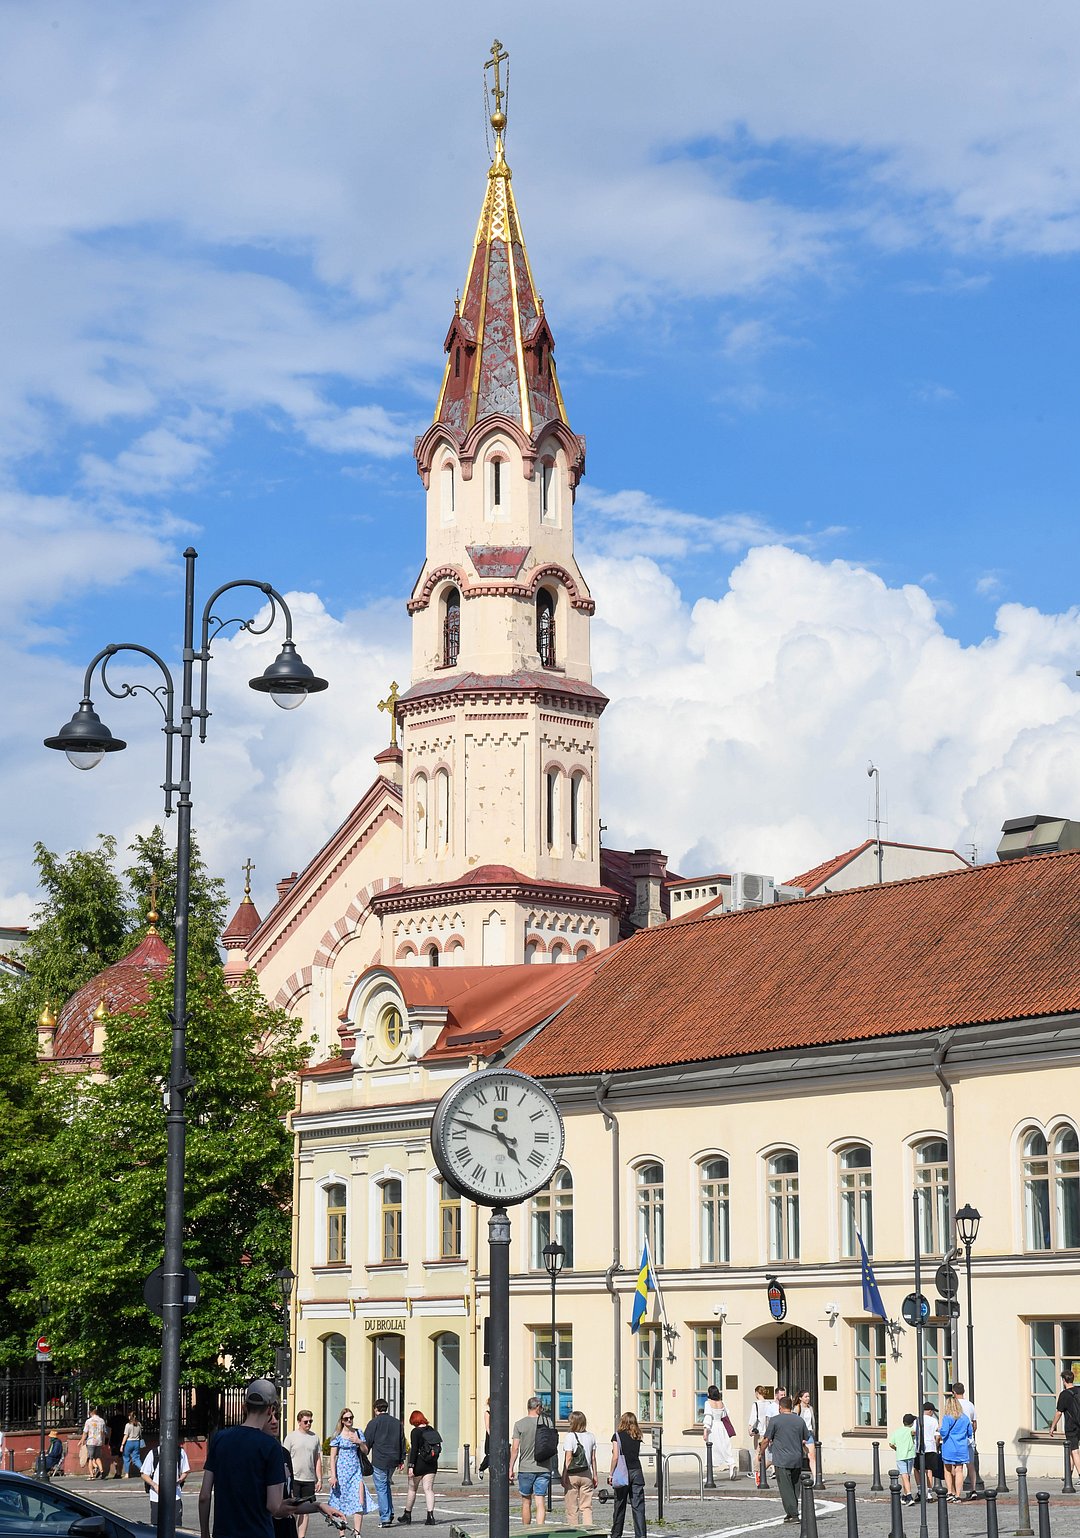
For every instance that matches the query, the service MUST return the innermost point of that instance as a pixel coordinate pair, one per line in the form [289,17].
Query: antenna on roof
[974,853]
[874,773]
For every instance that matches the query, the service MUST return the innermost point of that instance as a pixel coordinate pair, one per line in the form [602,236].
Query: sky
[812,273]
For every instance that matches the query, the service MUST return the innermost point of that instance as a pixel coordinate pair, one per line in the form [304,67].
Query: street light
[967,1229]
[86,739]
[554,1255]
[285,1279]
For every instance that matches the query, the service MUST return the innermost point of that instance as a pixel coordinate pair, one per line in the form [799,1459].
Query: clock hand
[507,1142]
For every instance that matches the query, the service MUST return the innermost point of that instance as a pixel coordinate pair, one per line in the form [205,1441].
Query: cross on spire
[247,869]
[389,704]
[499,56]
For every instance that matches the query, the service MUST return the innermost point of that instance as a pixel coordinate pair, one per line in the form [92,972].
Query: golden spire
[389,704]
[102,1009]
[499,56]
[247,869]
[153,916]
[47,1019]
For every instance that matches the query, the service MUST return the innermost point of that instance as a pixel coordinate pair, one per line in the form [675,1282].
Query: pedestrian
[385,1438]
[579,1476]
[759,1419]
[425,1445]
[116,1444]
[626,1446]
[1068,1409]
[534,1477]
[93,1439]
[805,1410]
[929,1457]
[244,1477]
[954,1440]
[902,1442]
[305,1450]
[785,1436]
[348,1492]
[148,1467]
[969,1410]
[131,1445]
[719,1432]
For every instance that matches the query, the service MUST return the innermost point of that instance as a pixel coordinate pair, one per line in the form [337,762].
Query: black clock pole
[499,1373]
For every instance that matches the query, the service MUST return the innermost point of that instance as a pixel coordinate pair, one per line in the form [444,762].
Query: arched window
[551,1216]
[420,802]
[431,955]
[855,1195]
[650,1210]
[390,1213]
[551,808]
[391,1029]
[454,953]
[442,811]
[451,628]
[932,1184]
[1051,1177]
[534,951]
[497,483]
[782,1195]
[336,1206]
[713,1205]
[334,1377]
[549,491]
[448,492]
[577,811]
[545,628]
[582,953]
[560,953]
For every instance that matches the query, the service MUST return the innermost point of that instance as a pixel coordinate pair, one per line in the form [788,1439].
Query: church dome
[116,990]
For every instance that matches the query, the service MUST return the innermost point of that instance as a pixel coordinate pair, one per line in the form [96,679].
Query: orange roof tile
[243,924]
[124,987]
[810,880]
[995,942]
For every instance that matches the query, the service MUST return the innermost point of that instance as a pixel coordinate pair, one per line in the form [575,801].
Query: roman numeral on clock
[478,1171]
[536,1158]
[542,1137]
[462,1155]
[502,1091]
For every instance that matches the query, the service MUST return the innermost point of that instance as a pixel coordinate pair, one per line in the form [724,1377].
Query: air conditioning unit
[789,894]
[750,891]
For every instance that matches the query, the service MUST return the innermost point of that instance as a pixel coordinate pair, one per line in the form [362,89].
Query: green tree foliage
[155,862]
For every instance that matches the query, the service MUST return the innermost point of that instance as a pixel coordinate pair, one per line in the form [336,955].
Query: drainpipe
[612,1125]
[941,1052]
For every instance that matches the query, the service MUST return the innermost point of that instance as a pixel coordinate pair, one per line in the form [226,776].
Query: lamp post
[285,1279]
[86,739]
[554,1255]
[967,1229]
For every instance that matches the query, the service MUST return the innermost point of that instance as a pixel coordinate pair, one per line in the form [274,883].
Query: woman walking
[348,1492]
[803,1408]
[626,1445]
[131,1446]
[719,1432]
[954,1439]
[578,1471]
[425,1445]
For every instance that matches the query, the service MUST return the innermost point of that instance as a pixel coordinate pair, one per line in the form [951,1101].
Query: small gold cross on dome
[389,704]
[499,56]
[247,869]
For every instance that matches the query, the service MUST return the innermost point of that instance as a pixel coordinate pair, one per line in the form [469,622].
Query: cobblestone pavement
[723,1513]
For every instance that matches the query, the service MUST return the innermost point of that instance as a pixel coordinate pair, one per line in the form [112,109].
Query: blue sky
[812,276]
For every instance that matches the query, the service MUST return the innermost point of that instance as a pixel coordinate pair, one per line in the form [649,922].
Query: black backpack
[432,1442]
[546,1441]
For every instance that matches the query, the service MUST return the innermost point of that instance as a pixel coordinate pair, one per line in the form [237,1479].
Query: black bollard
[807,1507]
[875,1483]
[896,1510]
[849,1503]
[991,1514]
[466,1478]
[819,1474]
[1023,1506]
[1002,1487]
[1043,1498]
[1068,1488]
[710,1482]
[942,1517]
[763,1482]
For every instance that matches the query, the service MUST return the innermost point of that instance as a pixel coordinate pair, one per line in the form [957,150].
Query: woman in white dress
[804,1408]
[718,1430]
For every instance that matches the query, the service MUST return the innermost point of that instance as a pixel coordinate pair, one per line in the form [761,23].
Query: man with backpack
[1068,1408]
[531,1453]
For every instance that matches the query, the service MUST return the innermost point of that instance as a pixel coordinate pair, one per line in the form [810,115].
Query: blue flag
[645,1284]
[871,1297]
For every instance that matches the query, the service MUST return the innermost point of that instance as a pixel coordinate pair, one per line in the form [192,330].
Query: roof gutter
[612,1124]
[941,1051]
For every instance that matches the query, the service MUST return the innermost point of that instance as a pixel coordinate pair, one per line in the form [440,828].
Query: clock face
[497,1136]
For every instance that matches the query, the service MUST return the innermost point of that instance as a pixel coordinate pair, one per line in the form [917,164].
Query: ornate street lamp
[86,739]
[967,1229]
[285,1279]
[554,1256]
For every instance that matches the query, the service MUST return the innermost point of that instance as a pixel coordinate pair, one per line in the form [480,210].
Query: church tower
[500,725]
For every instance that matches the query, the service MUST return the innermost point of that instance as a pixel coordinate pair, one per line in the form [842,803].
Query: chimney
[648,868]
[285,886]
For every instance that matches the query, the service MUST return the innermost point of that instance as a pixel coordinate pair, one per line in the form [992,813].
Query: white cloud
[623,523]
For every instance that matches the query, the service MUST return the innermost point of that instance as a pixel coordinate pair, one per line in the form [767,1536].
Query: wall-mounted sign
[383,1326]
[777,1299]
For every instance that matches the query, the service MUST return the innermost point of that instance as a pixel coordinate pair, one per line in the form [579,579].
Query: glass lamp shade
[288,680]
[554,1255]
[967,1225]
[85,738]
[285,1280]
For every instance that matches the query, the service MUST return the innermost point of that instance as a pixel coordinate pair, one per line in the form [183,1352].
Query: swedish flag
[646,1283]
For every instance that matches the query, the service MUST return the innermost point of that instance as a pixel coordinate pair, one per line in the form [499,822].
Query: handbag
[725,1421]
[579,1459]
[620,1478]
[367,1468]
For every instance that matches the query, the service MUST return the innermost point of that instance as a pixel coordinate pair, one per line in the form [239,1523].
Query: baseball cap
[260,1394]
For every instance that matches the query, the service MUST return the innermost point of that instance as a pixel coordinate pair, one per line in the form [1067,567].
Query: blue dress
[955,1439]
[350,1494]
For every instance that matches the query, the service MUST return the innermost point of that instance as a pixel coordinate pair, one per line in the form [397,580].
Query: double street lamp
[86,739]
[554,1257]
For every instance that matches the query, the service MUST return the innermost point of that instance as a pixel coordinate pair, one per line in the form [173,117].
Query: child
[903,1441]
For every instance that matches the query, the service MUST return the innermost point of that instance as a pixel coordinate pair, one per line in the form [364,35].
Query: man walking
[786,1435]
[1068,1408]
[150,1480]
[244,1477]
[534,1477]
[305,1450]
[385,1438]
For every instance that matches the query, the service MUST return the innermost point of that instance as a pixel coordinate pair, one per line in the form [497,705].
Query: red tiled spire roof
[996,942]
[120,989]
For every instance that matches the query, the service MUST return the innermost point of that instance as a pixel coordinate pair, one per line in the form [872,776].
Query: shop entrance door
[388,1376]
[796,1362]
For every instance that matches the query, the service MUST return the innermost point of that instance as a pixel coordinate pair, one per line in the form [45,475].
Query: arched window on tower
[420,801]
[451,627]
[577,812]
[448,490]
[497,483]
[442,811]
[545,628]
[549,487]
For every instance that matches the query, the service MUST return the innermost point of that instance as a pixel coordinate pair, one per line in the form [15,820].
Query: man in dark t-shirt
[244,1477]
[1068,1408]
[786,1435]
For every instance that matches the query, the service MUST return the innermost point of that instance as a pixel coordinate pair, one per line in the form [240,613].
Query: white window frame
[375,1216]
[320,1247]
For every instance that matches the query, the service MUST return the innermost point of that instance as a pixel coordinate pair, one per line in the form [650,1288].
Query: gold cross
[247,869]
[389,704]
[498,56]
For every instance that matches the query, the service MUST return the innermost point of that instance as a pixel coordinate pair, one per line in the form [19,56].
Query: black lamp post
[554,1255]
[285,1279]
[86,740]
[967,1230]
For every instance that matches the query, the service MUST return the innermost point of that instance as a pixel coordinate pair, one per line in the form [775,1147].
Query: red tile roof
[243,924]
[810,880]
[996,942]
[124,987]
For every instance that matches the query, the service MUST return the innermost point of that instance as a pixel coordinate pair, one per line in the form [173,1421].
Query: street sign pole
[44,1353]
[919,1327]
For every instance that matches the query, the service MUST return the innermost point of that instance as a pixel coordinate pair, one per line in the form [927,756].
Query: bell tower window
[545,628]
[548,492]
[497,484]
[448,492]
[451,628]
